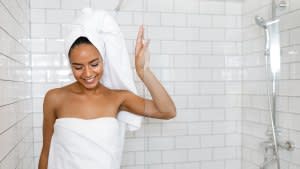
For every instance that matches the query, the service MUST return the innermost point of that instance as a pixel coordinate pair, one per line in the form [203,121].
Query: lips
[89,80]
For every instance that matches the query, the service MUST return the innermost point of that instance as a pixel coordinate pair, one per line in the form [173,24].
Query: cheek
[76,73]
[98,69]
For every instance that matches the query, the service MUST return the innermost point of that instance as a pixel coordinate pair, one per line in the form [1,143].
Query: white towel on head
[104,32]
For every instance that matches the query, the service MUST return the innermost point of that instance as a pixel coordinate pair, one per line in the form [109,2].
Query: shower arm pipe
[118,7]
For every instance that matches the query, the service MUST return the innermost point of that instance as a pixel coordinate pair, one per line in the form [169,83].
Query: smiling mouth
[90,79]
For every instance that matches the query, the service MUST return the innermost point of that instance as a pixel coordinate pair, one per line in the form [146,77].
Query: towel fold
[86,144]
[103,31]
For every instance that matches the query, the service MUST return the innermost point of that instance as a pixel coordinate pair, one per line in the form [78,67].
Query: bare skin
[88,99]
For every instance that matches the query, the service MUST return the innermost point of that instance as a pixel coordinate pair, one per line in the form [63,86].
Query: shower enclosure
[233,111]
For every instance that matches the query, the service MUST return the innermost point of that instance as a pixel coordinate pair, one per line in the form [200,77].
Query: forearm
[43,162]
[160,96]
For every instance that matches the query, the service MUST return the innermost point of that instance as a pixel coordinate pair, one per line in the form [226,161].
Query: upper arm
[49,117]
[140,106]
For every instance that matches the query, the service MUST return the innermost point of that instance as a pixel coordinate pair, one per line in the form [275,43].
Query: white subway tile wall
[16,118]
[195,52]
[255,116]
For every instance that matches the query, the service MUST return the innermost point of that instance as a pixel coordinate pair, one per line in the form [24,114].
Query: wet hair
[79,41]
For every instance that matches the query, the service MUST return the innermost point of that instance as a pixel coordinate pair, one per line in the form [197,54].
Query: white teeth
[90,79]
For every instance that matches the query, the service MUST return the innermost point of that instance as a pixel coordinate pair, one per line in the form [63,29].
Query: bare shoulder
[55,95]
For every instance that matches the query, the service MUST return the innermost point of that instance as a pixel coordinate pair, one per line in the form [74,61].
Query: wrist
[141,73]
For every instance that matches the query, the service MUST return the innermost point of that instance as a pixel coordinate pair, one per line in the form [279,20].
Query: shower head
[260,21]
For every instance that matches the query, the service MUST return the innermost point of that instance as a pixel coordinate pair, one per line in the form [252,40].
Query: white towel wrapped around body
[86,144]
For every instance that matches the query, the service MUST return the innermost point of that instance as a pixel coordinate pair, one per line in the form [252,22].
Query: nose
[87,72]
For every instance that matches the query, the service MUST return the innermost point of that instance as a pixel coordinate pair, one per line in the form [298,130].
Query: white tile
[38,119]
[213,165]
[290,20]
[45,31]
[152,19]
[160,33]
[212,7]
[212,34]
[199,101]
[233,114]
[38,16]
[233,88]
[44,4]
[138,18]
[233,61]
[173,19]
[212,141]
[224,153]
[128,158]
[199,74]
[187,6]
[187,165]
[161,143]
[180,101]
[233,140]
[59,16]
[134,144]
[160,6]
[103,4]
[198,128]
[133,5]
[55,46]
[212,114]
[186,34]
[160,61]
[233,7]
[187,115]
[44,60]
[227,48]
[295,71]
[186,61]
[224,127]
[187,142]
[211,88]
[200,154]
[198,47]
[173,47]
[75,4]
[212,61]
[203,21]
[294,105]
[294,4]
[149,157]
[188,88]
[233,35]
[224,21]
[124,18]
[174,129]
[174,156]
[160,166]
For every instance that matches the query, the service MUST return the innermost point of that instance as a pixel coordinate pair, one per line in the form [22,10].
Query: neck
[98,88]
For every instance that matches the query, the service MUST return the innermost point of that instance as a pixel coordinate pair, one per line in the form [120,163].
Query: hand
[141,53]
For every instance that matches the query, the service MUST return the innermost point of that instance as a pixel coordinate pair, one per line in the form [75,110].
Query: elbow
[170,115]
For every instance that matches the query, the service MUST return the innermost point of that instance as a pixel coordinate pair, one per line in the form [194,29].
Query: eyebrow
[89,62]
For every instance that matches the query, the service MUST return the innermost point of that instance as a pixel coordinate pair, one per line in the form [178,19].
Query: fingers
[140,36]
[139,39]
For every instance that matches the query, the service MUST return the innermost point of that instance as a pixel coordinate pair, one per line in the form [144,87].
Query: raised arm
[161,105]
[48,122]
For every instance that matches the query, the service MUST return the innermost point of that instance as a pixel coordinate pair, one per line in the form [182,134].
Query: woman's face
[87,65]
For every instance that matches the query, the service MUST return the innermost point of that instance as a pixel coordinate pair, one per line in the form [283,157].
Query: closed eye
[77,67]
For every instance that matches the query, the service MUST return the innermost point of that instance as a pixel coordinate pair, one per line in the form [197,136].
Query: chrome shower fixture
[260,21]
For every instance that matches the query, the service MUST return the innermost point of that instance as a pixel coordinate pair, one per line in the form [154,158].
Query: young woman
[87,98]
